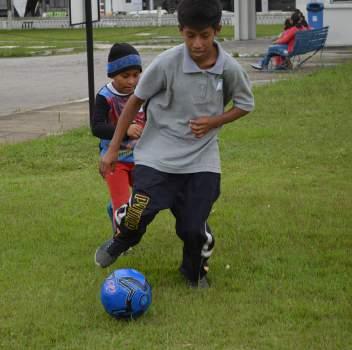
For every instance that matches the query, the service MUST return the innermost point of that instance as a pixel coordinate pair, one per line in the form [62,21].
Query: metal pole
[90,57]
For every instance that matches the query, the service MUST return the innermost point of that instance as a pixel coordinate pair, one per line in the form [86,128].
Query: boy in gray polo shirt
[177,158]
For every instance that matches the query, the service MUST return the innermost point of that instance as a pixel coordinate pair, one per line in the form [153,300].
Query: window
[58,3]
[282,5]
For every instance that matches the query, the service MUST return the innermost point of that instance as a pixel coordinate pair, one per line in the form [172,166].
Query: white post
[245,20]
[9,13]
[265,6]
[151,5]
[159,15]
[108,7]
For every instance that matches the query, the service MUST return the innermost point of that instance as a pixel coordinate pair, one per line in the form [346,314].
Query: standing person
[284,44]
[177,158]
[124,68]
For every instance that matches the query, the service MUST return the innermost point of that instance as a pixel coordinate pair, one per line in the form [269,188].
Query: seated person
[302,19]
[280,61]
[284,44]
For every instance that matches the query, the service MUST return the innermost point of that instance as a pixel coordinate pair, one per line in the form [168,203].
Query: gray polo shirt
[178,90]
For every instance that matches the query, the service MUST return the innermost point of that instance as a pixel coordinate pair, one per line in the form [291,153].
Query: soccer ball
[126,293]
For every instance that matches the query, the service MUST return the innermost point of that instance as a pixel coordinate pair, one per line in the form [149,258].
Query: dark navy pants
[189,197]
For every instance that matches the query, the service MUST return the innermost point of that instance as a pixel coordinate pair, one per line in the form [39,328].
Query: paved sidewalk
[53,120]
[43,122]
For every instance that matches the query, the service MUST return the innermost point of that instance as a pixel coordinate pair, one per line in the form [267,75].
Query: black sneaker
[202,283]
[104,255]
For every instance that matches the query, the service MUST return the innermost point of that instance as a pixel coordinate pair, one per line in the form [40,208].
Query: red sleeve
[287,36]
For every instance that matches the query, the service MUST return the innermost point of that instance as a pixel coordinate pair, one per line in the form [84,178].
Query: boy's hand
[201,126]
[134,131]
[107,163]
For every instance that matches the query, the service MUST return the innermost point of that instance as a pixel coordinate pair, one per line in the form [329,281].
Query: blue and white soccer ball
[126,293]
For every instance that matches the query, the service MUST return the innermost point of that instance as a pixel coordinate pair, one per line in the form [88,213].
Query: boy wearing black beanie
[124,67]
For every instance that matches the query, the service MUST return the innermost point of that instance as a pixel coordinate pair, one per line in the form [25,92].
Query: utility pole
[81,12]
[90,57]
[9,13]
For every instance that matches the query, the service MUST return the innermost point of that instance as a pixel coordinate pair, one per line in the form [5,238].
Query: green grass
[283,225]
[59,41]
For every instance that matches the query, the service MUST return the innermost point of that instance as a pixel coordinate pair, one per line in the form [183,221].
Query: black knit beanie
[123,57]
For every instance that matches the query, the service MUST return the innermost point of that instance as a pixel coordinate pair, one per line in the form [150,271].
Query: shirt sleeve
[152,81]
[238,87]
[287,36]
[100,122]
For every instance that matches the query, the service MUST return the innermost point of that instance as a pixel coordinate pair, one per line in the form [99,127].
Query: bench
[306,41]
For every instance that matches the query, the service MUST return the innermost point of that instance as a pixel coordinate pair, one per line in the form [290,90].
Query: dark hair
[288,23]
[199,14]
[298,19]
[298,11]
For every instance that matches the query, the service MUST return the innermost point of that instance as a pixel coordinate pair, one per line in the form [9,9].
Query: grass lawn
[283,227]
[36,42]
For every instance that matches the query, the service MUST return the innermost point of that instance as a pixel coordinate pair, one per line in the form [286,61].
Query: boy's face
[200,42]
[126,81]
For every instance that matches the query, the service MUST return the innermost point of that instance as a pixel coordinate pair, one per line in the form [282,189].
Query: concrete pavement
[41,122]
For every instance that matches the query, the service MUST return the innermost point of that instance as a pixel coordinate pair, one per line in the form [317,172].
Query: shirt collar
[113,90]
[189,66]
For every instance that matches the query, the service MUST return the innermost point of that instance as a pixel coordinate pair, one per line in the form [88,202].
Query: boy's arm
[100,125]
[129,112]
[203,125]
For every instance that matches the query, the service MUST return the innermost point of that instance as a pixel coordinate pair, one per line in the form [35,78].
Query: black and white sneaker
[104,255]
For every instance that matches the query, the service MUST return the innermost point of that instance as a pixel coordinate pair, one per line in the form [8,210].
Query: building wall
[126,5]
[337,15]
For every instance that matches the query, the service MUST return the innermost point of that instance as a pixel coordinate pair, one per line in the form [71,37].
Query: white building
[337,14]
[121,6]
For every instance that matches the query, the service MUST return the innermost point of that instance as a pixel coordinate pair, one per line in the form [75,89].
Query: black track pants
[189,197]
